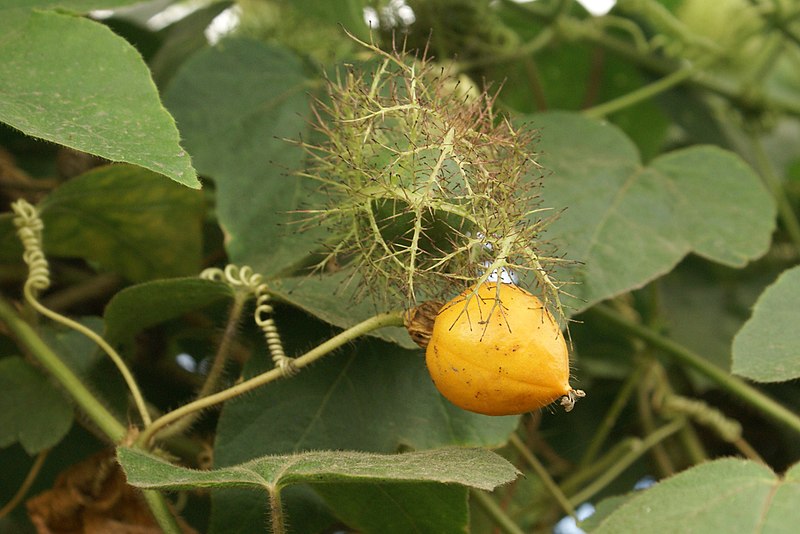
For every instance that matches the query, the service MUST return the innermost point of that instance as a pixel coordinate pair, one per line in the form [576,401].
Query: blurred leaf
[766,348]
[477,468]
[72,81]
[235,103]
[698,121]
[32,411]
[630,224]
[604,508]
[348,14]
[127,219]
[727,495]
[697,294]
[77,6]
[138,307]
[399,508]
[183,39]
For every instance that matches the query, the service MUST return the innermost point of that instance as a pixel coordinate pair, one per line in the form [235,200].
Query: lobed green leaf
[628,223]
[478,468]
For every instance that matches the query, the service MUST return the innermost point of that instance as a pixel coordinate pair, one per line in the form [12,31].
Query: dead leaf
[92,497]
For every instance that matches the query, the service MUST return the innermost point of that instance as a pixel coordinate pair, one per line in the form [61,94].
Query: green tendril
[29,229]
[244,279]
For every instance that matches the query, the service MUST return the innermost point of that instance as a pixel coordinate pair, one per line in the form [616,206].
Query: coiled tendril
[29,229]
[243,278]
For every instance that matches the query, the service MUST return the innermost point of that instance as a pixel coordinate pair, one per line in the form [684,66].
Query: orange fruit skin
[516,363]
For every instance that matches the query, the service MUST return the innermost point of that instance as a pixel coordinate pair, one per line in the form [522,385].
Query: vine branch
[373,323]
[736,386]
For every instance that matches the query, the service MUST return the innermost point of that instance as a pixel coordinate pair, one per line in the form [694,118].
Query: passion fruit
[497,350]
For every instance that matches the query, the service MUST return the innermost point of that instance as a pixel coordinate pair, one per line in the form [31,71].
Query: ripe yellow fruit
[498,351]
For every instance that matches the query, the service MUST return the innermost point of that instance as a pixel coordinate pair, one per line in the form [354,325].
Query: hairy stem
[276,518]
[373,323]
[133,387]
[94,409]
[217,367]
[25,335]
[161,512]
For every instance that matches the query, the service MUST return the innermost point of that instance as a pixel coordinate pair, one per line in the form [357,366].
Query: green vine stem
[610,419]
[30,478]
[116,358]
[736,386]
[579,478]
[25,335]
[29,229]
[94,409]
[648,91]
[653,380]
[641,447]
[276,518]
[161,512]
[527,49]
[504,523]
[591,31]
[373,323]
[540,470]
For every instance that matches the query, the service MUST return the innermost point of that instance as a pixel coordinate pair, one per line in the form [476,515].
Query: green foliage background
[670,142]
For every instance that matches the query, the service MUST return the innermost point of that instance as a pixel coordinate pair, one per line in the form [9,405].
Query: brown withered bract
[419,321]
